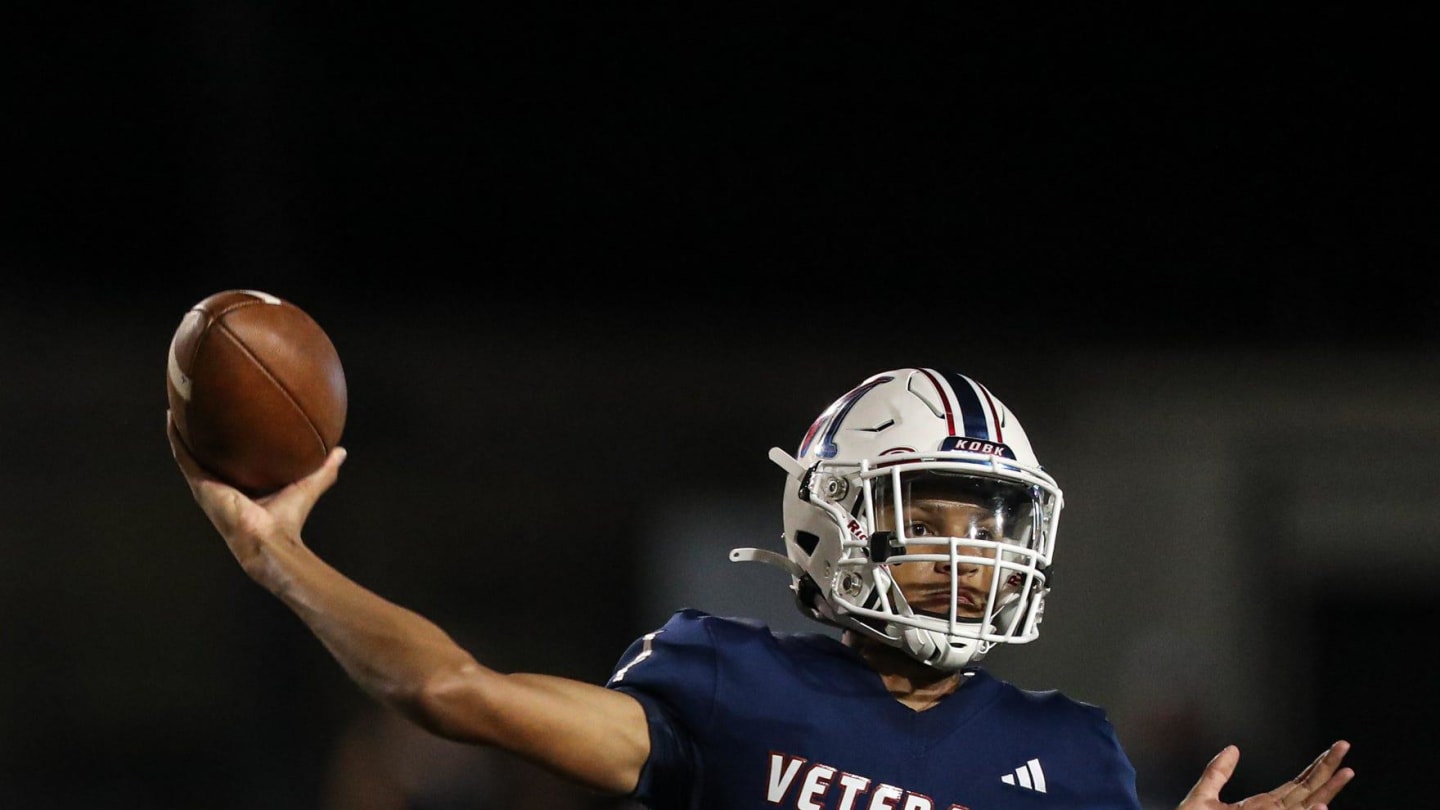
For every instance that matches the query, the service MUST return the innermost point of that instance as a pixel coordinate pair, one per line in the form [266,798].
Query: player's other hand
[1311,790]
[254,527]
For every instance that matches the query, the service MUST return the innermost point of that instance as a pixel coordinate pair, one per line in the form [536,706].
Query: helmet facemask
[955,562]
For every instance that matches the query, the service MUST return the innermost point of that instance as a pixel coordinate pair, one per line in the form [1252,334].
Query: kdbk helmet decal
[900,436]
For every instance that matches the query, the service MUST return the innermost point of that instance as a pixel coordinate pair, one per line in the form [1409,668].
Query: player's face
[933,512]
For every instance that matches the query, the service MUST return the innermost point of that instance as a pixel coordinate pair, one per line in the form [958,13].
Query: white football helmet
[886,449]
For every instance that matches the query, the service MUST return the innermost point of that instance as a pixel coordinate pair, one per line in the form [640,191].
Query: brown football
[256,389]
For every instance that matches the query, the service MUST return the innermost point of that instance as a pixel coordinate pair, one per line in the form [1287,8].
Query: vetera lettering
[816,782]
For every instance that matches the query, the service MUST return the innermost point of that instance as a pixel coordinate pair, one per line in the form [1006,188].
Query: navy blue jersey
[742,717]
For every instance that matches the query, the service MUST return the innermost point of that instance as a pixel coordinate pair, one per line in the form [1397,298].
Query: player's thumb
[1216,774]
[295,501]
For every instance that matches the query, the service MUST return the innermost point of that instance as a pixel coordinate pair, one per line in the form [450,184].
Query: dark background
[574,254]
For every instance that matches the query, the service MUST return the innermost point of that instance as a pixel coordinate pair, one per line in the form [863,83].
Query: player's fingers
[1296,789]
[1314,764]
[177,447]
[1302,788]
[200,480]
[1216,774]
[194,473]
[1331,788]
[221,503]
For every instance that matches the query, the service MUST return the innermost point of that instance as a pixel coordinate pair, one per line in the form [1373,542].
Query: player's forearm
[596,736]
[391,652]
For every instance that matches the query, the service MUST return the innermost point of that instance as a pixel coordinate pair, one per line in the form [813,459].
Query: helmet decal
[969,445]
[835,414]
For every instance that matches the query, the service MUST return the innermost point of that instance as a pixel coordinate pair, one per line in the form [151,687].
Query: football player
[917,520]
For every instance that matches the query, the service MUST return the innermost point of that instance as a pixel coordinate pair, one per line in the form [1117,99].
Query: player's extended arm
[1311,790]
[595,736]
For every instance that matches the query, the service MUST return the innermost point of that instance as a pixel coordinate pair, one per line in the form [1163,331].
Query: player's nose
[962,567]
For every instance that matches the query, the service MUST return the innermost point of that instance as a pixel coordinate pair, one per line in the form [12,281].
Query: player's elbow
[455,704]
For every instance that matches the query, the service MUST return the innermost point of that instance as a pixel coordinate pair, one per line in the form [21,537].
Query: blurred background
[585,265]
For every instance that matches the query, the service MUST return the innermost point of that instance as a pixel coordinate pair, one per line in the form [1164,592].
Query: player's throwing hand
[249,525]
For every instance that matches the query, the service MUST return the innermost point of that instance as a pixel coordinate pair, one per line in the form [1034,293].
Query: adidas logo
[1028,775]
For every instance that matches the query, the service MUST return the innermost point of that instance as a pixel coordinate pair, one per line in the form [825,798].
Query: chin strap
[923,647]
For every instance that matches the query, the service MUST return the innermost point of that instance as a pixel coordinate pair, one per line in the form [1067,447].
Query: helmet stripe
[994,412]
[972,411]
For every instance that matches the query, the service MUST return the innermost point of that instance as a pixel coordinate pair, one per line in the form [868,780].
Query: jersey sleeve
[1083,762]
[1114,775]
[672,672]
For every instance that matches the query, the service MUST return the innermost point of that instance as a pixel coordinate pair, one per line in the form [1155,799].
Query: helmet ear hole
[807,541]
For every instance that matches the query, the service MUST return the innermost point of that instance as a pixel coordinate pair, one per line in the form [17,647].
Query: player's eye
[917,529]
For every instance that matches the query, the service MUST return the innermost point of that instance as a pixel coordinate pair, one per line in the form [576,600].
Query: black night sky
[1115,174]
